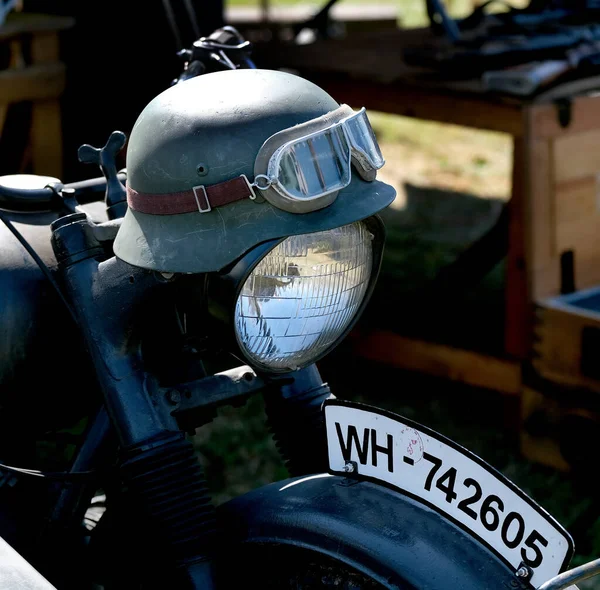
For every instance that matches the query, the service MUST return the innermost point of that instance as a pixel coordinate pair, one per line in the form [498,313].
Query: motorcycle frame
[373,529]
[112,300]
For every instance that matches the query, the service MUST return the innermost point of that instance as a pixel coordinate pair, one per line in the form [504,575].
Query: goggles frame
[269,156]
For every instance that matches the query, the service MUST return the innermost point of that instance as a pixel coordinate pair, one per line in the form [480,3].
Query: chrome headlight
[302,296]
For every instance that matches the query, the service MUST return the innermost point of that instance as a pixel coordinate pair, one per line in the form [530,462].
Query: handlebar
[22,199]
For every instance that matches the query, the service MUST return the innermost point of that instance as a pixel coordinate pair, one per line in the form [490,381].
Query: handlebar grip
[32,199]
[26,199]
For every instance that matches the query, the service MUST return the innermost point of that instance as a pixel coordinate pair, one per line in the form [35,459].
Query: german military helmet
[226,161]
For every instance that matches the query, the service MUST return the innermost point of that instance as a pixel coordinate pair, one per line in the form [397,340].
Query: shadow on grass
[427,234]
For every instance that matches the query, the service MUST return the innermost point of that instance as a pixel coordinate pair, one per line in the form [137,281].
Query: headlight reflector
[302,295]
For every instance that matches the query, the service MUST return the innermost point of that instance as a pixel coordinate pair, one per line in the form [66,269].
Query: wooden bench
[35,74]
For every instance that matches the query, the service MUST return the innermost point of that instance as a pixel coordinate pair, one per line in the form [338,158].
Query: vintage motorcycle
[238,248]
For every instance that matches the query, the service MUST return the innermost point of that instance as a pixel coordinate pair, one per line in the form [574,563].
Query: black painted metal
[224,49]
[97,451]
[165,475]
[193,403]
[113,301]
[108,297]
[105,157]
[37,332]
[391,538]
[296,420]
[61,540]
[40,200]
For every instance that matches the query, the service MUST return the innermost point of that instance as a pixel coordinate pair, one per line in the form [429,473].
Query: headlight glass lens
[302,296]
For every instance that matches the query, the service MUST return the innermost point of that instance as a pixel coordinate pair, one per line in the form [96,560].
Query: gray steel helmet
[194,137]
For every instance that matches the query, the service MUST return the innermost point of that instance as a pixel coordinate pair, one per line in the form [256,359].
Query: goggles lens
[363,140]
[318,164]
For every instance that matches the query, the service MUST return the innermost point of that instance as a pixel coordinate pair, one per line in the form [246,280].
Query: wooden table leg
[532,269]
[3,111]
[518,310]
[46,128]
[46,138]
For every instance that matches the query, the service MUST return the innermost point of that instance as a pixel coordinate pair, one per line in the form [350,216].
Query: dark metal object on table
[225,49]
[488,42]
[320,22]
[527,79]
[440,20]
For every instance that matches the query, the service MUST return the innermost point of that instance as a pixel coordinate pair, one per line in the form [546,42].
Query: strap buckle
[204,197]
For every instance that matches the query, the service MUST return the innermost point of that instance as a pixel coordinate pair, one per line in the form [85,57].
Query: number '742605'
[432,469]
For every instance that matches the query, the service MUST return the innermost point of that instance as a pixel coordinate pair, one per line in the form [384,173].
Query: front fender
[387,536]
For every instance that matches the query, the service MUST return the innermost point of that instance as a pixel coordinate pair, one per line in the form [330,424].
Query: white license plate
[436,471]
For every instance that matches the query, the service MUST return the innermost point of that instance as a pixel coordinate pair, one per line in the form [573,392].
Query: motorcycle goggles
[298,170]
[301,169]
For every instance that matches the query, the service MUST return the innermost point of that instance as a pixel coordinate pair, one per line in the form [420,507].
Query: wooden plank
[466,366]
[45,48]
[3,111]
[369,70]
[16,59]
[578,218]
[543,264]
[46,139]
[584,116]
[558,349]
[558,343]
[24,23]
[38,82]
[577,155]
[422,103]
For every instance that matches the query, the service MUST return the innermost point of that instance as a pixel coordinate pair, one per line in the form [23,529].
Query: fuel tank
[46,382]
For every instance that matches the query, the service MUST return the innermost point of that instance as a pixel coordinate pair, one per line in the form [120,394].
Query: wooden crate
[567,339]
[564,403]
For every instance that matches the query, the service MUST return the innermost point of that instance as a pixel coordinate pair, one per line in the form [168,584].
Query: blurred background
[453,184]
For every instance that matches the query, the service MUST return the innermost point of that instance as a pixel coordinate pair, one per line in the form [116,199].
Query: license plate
[381,446]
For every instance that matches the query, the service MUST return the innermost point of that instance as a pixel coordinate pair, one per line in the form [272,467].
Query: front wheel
[278,567]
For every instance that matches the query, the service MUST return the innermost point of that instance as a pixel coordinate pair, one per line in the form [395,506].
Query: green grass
[411,13]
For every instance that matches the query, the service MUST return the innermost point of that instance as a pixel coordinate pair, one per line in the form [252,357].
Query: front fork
[113,302]
[296,420]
